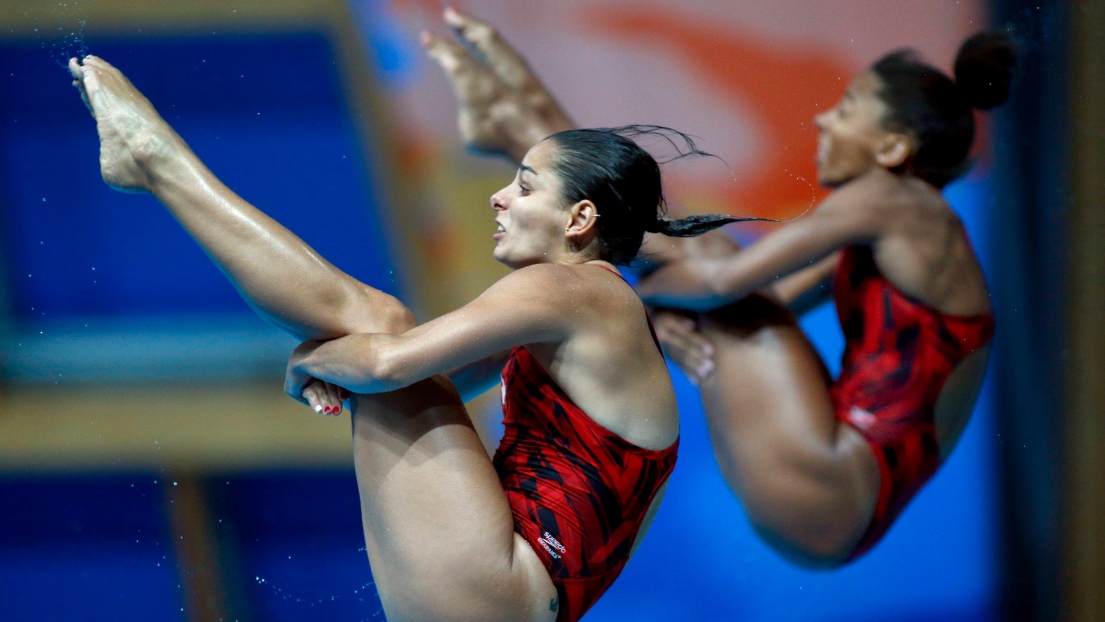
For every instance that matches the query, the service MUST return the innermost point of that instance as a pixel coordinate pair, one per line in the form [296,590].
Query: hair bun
[984,68]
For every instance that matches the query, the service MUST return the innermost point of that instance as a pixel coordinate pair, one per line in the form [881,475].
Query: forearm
[357,363]
[279,275]
[808,288]
[686,284]
[475,379]
[705,283]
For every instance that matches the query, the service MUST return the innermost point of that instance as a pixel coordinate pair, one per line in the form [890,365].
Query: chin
[830,180]
[506,260]
[827,181]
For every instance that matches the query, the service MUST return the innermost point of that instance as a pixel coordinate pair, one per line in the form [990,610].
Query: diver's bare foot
[133,136]
[491,117]
[509,66]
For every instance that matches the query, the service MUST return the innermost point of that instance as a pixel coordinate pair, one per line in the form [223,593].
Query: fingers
[685,345]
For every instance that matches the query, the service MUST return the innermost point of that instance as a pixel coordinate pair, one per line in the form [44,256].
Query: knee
[377,312]
[461,596]
[814,551]
[809,528]
[396,317]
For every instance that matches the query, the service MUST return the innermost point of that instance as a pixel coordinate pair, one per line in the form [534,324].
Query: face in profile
[851,133]
[530,215]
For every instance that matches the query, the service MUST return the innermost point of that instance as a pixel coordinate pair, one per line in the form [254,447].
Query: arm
[807,288]
[705,283]
[374,363]
[279,275]
[503,107]
[474,379]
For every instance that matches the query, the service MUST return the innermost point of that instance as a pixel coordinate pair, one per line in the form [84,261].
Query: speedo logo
[551,545]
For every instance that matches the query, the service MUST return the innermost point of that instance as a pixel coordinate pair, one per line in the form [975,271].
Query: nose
[498,200]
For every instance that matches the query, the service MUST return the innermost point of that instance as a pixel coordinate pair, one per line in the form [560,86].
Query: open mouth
[822,151]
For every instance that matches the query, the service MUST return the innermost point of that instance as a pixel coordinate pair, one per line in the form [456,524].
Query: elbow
[385,372]
[719,292]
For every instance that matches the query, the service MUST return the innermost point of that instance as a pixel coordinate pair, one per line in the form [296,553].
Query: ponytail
[606,167]
[692,226]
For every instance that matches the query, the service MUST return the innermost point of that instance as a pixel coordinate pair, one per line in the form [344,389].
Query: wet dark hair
[935,110]
[606,166]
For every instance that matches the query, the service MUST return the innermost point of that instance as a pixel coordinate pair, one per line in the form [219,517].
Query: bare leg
[435,518]
[438,530]
[503,108]
[808,482]
[281,277]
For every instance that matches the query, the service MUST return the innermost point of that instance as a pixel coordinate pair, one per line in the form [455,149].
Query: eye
[524,189]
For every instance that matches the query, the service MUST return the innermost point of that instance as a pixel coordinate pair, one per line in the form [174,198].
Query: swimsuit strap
[648,317]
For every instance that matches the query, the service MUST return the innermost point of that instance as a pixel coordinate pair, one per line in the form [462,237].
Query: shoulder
[546,283]
[870,193]
[871,204]
[567,286]
[544,276]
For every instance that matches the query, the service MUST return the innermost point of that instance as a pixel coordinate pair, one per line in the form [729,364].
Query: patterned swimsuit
[578,492]
[898,355]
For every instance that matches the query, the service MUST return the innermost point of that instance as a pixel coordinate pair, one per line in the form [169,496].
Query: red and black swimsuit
[578,492]
[898,355]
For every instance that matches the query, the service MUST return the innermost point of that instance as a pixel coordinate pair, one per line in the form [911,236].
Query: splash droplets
[59,29]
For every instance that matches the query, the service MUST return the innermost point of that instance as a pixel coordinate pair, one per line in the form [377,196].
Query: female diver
[591,424]
[822,467]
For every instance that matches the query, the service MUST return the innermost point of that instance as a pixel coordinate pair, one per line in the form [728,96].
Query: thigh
[808,482]
[438,529]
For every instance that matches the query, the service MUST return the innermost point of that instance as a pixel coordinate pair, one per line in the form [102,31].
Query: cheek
[848,150]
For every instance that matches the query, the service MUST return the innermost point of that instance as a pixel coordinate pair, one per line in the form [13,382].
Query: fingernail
[318,409]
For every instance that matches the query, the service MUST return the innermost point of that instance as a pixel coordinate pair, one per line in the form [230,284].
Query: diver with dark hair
[823,467]
[540,531]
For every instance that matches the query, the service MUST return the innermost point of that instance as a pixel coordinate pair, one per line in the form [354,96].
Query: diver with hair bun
[823,467]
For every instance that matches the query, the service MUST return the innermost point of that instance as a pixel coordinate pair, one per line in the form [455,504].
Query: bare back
[924,251]
[926,255]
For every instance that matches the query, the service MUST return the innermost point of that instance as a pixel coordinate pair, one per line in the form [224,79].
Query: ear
[894,149]
[582,222]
